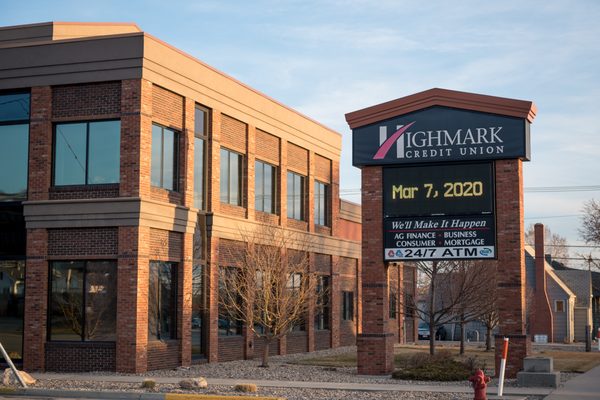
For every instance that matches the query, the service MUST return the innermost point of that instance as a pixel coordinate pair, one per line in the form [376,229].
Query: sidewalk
[509,392]
[583,387]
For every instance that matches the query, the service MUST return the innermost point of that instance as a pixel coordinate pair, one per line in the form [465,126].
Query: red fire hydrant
[479,382]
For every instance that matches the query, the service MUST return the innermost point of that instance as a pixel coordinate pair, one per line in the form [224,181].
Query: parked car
[440,333]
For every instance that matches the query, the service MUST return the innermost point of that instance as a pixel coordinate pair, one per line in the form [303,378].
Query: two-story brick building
[128,170]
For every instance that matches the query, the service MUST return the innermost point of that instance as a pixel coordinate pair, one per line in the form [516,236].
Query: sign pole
[502,367]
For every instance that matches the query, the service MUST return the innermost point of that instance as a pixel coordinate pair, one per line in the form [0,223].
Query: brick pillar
[36,300]
[335,299]
[310,192]
[335,197]
[376,342]
[511,262]
[282,200]
[40,143]
[249,179]
[185,300]
[541,317]
[132,301]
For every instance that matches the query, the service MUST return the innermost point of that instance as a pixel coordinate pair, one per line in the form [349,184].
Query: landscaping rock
[9,378]
[193,383]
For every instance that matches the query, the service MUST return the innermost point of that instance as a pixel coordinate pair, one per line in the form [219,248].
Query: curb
[125,395]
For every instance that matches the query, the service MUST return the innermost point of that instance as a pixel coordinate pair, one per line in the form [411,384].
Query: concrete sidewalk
[509,392]
[583,387]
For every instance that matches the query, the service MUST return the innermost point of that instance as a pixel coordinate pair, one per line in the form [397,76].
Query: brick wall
[83,242]
[80,356]
[84,192]
[297,342]
[87,100]
[231,348]
[233,134]
[40,143]
[268,147]
[323,263]
[165,245]
[297,159]
[322,339]
[322,169]
[167,108]
[163,354]
[259,347]
[347,269]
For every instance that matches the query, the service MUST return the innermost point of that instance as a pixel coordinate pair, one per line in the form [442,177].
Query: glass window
[14,107]
[559,306]
[199,173]
[321,190]
[295,283]
[12,304]
[164,161]
[87,153]
[228,323]
[231,171]
[322,313]
[162,301]
[83,300]
[295,196]
[348,306]
[264,190]
[14,149]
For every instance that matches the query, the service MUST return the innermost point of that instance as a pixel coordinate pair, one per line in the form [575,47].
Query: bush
[148,384]
[440,367]
[246,388]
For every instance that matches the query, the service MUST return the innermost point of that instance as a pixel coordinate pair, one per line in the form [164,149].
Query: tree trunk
[265,356]
[488,338]
[462,337]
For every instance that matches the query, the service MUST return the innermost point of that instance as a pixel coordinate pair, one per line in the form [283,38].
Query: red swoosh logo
[387,145]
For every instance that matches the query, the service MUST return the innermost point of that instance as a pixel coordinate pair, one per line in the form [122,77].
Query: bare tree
[450,289]
[555,244]
[488,304]
[271,287]
[590,222]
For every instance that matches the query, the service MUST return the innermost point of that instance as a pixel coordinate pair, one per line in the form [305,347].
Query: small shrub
[473,364]
[148,384]
[440,367]
[246,388]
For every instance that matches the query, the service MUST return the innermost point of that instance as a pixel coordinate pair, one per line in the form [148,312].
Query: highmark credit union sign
[439,212]
[440,134]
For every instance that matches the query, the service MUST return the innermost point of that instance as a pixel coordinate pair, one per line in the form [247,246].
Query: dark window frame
[321,211]
[87,152]
[83,305]
[173,317]
[273,193]
[240,184]
[176,144]
[323,303]
[230,323]
[204,137]
[347,305]
[292,213]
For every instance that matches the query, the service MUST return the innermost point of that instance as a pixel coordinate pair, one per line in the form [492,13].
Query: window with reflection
[12,304]
[320,194]
[87,153]
[295,196]
[228,323]
[231,173]
[264,187]
[164,168]
[14,146]
[347,306]
[201,116]
[162,301]
[83,300]
[322,312]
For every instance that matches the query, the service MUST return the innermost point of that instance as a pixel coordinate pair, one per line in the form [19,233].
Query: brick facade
[134,223]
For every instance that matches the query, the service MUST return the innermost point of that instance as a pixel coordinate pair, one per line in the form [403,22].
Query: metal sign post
[12,366]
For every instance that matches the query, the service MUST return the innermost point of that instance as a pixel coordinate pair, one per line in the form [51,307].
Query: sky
[328,58]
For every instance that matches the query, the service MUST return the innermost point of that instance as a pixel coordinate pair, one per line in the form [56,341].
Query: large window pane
[70,154]
[264,191]
[162,301]
[14,107]
[295,196]
[12,301]
[66,309]
[320,203]
[169,156]
[200,122]
[230,185]
[156,161]
[199,173]
[104,152]
[259,189]
[101,301]
[224,184]
[14,145]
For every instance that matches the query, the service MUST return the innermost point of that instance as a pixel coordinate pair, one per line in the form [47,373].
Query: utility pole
[588,328]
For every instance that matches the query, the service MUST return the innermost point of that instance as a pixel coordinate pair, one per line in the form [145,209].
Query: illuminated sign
[453,189]
[440,134]
[441,237]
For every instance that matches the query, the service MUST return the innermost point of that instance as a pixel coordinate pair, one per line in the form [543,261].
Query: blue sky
[327,58]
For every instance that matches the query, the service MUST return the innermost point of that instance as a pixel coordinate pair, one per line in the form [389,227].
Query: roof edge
[442,97]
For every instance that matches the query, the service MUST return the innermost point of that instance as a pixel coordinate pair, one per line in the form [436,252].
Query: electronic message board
[439,212]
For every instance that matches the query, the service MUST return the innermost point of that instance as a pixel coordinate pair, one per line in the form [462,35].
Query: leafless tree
[555,244]
[270,289]
[488,304]
[450,289]
[590,222]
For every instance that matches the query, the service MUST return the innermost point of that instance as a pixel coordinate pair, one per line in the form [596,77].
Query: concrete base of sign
[538,372]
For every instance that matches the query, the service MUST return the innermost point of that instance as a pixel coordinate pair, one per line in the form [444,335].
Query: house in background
[560,298]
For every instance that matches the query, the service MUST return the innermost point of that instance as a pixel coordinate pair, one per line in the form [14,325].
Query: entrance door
[12,301]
